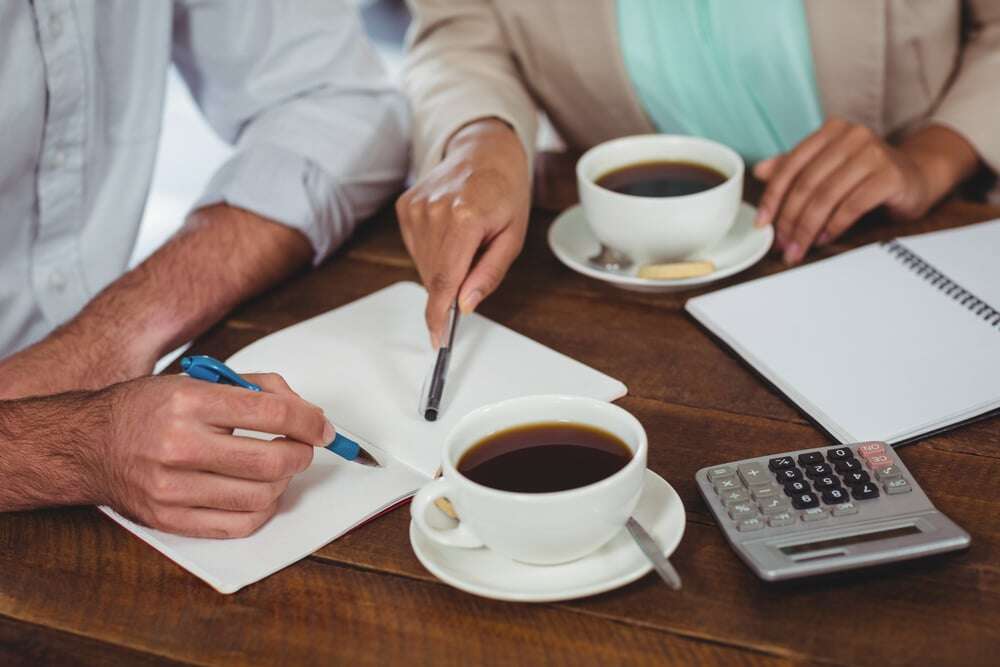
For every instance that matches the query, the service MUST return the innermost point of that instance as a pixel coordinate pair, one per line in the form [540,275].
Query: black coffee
[661,179]
[540,458]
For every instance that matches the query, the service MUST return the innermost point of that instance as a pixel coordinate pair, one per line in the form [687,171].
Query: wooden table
[74,587]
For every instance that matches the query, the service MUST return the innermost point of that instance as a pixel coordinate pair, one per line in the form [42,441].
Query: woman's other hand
[819,189]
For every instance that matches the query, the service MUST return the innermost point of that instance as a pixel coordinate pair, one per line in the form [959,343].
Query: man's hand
[819,189]
[464,223]
[161,451]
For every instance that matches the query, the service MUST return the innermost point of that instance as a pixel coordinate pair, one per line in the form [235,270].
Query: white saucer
[572,242]
[619,562]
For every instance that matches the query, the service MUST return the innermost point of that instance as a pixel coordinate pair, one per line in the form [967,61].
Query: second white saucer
[573,243]
[619,562]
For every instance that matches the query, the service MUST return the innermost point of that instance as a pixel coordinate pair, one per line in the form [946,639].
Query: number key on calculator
[823,510]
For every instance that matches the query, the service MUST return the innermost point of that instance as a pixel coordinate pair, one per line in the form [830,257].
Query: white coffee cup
[652,230]
[537,528]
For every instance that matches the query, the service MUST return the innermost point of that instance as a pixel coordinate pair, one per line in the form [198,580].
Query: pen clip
[208,368]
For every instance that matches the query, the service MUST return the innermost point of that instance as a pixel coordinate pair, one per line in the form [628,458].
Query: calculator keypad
[813,486]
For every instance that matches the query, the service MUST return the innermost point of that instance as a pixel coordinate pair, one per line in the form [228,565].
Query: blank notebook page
[865,345]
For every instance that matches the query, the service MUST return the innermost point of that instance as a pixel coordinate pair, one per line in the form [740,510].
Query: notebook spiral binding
[944,284]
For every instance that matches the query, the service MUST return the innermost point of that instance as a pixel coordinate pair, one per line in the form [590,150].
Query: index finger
[789,166]
[452,267]
[278,414]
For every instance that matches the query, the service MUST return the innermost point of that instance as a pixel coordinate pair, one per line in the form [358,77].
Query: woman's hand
[464,223]
[820,188]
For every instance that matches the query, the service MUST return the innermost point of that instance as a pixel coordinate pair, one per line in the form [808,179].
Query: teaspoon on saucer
[648,547]
[609,259]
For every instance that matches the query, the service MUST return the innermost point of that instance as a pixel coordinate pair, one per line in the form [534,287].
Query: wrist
[943,159]
[477,132]
[52,450]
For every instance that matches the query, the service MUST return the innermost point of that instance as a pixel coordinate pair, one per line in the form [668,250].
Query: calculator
[816,511]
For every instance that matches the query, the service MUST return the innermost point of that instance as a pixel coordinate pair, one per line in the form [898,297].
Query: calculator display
[851,539]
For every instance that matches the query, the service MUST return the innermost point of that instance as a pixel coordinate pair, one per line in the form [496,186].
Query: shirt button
[58,159]
[55,26]
[57,280]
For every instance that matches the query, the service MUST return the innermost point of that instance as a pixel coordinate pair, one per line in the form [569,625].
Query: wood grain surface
[76,589]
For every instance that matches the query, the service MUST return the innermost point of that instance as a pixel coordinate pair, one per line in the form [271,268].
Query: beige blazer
[892,65]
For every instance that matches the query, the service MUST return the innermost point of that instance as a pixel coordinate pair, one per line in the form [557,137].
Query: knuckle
[181,400]
[464,212]
[272,467]
[438,209]
[492,277]
[161,518]
[258,500]
[162,487]
[441,282]
[861,132]
[174,450]
[837,122]
[849,211]
[276,411]
[414,210]
[247,525]
[276,379]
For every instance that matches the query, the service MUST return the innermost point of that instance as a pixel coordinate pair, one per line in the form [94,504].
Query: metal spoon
[609,259]
[653,553]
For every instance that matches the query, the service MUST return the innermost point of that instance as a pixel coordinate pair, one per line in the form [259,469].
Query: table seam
[103,642]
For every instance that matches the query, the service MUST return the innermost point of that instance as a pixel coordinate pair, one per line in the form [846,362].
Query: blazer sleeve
[970,105]
[460,68]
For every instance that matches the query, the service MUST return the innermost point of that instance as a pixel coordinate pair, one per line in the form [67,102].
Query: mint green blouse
[736,71]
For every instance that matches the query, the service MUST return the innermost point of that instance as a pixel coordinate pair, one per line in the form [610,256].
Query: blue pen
[210,369]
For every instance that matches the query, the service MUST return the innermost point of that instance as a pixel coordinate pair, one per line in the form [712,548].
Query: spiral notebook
[892,341]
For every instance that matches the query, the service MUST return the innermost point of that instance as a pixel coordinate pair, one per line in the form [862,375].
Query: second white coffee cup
[537,528]
[660,229]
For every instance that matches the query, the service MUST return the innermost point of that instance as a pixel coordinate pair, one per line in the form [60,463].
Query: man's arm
[160,451]
[222,255]
[321,142]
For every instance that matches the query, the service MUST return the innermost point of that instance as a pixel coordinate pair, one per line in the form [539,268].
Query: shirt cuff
[287,188]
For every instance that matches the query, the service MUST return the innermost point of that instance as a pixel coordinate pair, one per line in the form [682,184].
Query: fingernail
[823,239]
[329,433]
[470,301]
[435,343]
[792,253]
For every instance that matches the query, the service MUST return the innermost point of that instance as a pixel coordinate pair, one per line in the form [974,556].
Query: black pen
[430,403]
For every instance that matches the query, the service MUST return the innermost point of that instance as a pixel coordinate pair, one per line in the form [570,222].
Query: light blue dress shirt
[736,71]
[320,134]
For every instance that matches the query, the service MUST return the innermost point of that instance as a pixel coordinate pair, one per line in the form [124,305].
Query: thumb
[490,269]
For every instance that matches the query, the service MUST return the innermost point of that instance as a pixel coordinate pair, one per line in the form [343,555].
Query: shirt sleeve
[321,135]
[460,68]
[971,102]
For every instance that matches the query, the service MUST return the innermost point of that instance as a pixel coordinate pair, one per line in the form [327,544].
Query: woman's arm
[465,219]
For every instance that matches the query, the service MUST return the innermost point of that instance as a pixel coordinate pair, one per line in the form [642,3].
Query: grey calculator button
[755,523]
[814,514]
[734,496]
[723,484]
[754,474]
[888,472]
[782,519]
[898,485]
[765,492]
[742,511]
[844,509]
[720,471]
[775,505]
